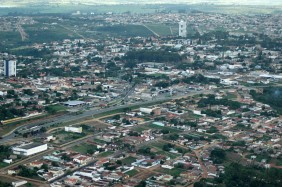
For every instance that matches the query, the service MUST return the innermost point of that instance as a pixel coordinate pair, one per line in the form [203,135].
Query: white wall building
[73,129]
[182,28]
[29,149]
[10,68]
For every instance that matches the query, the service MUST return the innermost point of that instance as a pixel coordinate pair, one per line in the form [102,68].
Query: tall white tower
[182,28]
[10,68]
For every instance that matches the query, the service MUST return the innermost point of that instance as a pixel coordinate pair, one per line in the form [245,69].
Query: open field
[174,172]
[125,30]
[105,154]
[132,172]
[128,160]
[160,29]
[83,148]
[64,137]
[39,33]
[3,164]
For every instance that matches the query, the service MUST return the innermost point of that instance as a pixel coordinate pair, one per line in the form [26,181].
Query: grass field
[83,148]
[174,172]
[128,160]
[132,172]
[125,30]
[157,147]
[170,129]
[3,164]
[64,137]
[40,33]
[231,96]
[99,141]
[160,29]
[56,108]
[105,154]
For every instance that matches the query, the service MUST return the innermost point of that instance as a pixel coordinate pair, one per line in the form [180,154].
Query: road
[90,113]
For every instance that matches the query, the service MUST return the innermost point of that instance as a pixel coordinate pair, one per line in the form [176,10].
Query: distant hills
[20,3]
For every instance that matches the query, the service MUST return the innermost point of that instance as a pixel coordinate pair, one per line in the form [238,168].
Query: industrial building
[29,149]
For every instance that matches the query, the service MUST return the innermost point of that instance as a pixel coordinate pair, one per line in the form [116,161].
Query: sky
[237,2]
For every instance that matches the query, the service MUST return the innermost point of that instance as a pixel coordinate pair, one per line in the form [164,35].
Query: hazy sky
[243,2]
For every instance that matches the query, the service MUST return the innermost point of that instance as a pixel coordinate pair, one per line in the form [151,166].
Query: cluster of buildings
[210,106]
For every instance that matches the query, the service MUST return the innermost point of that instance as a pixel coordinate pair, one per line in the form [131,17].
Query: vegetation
[246,176]
[26,172]
[151,56]
[5,152]
[131,172]
[211,100]
[5,184]
[218,155]
[125,30]
[53,109]
[199,78]
[85,149]
[271,96]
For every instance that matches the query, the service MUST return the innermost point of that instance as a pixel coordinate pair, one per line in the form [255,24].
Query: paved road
[69,118]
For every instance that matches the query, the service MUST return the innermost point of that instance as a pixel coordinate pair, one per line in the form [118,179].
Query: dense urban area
[169,98]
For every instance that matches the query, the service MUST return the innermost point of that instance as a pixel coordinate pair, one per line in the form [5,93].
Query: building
[18,183]
[10,68]
[182,28]
[73,129]
[29,149]
[74,103]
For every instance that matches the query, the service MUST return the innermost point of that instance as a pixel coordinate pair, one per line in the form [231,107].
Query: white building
[73,129]
[182,28]
[10,68]
[29,149]
[146,110]
[18,183]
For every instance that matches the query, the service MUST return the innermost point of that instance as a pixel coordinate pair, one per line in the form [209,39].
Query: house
[81,159]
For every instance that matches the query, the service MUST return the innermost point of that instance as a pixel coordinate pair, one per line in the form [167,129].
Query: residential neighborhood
[127,99]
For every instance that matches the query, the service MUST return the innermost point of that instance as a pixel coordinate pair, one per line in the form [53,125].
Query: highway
[89,113]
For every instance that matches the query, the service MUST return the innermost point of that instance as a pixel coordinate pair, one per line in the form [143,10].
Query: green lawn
[55,108]
[99,141]
[174,172]
[278,162]
[132,172]
[3,164]
[231,96]
[125,30]
[83,148]
[160,29]
[129,160]
[158,146]
[105,154]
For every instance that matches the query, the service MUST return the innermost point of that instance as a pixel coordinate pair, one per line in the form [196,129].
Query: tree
[116,117]
[119,162]
[217,155]
[66,157]
[26,172]
[141,184]
[44,167]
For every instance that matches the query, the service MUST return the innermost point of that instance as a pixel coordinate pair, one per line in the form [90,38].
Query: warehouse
[29,149]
